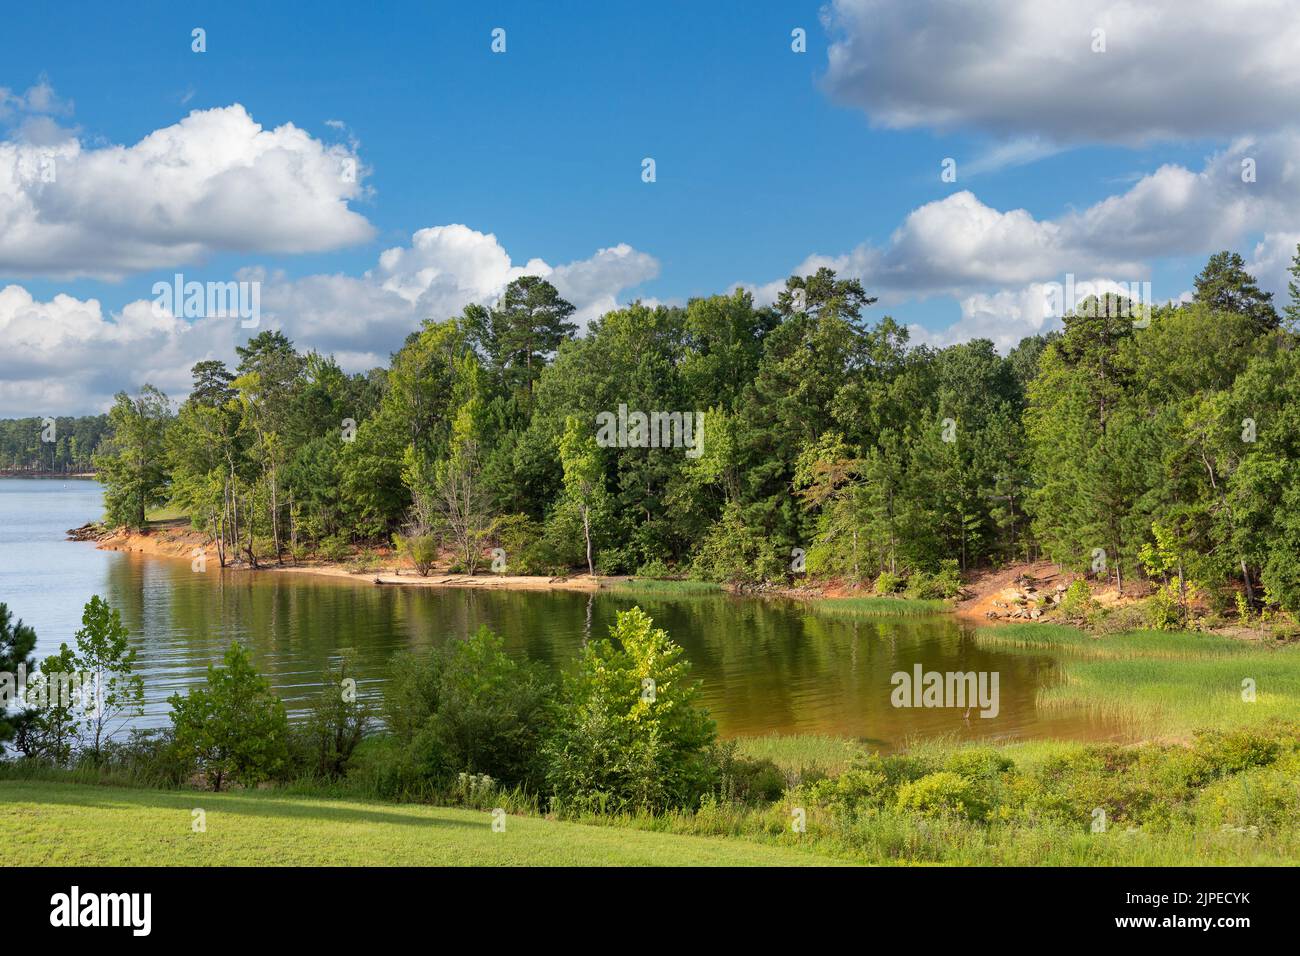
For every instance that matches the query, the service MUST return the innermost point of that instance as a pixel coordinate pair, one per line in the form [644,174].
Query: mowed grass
[60,824]
[1160,684]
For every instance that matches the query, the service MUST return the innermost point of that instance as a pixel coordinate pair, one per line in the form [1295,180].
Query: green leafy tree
[1293,289]
[336,722]
[104,654]
[133,465]
[583,479]
[630,736]
[50,729]
[234,727]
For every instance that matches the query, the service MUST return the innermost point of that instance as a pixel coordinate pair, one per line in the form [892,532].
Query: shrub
[746,780]
[853,790]
[335,724]
[1076,602]
[945,583]
[654,568]
[1263,798]
[470,708]
[518,535]
[420,549]
[334,548]
[942,794]
[629,736]
[888,583]
[1163,610]
[234,727]
[733,553]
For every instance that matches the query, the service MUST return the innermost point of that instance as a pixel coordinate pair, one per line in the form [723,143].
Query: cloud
[38,98]
[1171,69]
[959,246]
[215,182]
[68,356]
[1009,315]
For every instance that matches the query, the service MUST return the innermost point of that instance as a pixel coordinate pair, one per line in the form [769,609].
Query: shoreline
[177,540]
[992,598]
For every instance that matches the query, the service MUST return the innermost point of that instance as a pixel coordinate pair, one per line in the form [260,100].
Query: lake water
[767,666]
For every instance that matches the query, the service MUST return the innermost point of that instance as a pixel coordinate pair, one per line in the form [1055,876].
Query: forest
[1152,445]
[52,444]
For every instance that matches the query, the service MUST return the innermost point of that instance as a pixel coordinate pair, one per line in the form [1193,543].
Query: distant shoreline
[82,476]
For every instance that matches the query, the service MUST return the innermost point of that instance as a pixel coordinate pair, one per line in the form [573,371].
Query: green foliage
[234,728]
[888,583]
[17,641]
[132,463]
[1168,446]
[734,553]
[420,549]
[335,724]
[629,735]
[945,583]
[468,707]
[1077,603]
[103,653]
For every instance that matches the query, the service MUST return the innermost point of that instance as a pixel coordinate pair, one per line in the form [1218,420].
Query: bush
[733,553]
[654,568]
[946,583]
[1262,798]
[629,737]
[420,549]
[745,780]
[888,583]
[234,728]
[942,794]
[1077,603]
[334,726]
[518,536]
[334,548]
[1163,610]
[470,708]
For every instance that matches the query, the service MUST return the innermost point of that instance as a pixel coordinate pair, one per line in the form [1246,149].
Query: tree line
[59,444]
[1137,442]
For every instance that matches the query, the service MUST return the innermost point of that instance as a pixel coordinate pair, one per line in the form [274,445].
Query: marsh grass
[878,606]
[658,586]
[797,754]
[1157,684]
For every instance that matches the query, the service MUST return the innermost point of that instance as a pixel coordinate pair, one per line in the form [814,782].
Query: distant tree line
[1135,443]
[59,444]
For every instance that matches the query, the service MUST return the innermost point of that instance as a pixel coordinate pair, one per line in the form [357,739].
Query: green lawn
[81,824]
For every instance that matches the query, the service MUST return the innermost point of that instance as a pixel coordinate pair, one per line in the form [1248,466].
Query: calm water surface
[766,666]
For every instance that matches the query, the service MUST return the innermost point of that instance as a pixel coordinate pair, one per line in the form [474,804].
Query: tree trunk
[586,532]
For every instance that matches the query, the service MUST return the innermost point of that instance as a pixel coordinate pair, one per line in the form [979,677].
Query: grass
[878,606]
[165,513]
[796,753]
[656,586]
[64,824]
[1157,684]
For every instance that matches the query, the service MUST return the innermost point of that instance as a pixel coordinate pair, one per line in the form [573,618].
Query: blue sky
[765,159]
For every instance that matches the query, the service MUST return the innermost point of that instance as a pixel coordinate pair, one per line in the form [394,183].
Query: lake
[767,666]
